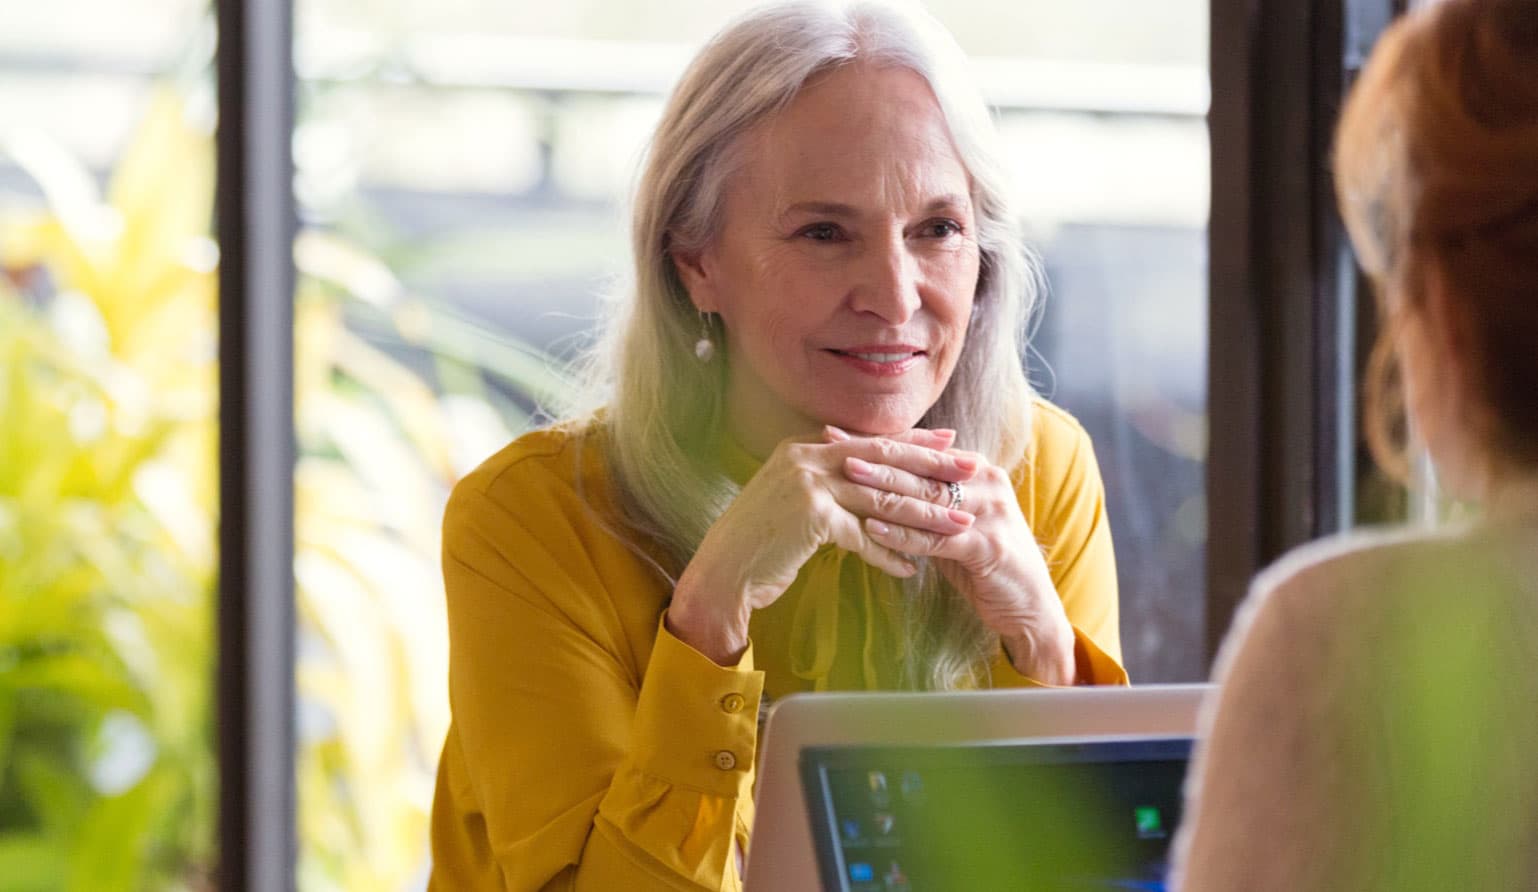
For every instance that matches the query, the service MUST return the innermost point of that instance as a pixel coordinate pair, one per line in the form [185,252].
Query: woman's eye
[821,232]
[942,228]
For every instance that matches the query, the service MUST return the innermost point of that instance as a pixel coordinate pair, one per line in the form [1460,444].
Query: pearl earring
[705,347]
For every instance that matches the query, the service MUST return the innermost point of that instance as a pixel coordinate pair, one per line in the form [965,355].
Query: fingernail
[858,466]
[961,518]
[834,433]
[877,527]
[944,433]
[966,464]
[909,569]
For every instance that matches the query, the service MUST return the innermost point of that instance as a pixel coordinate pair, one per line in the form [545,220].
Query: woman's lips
[881,360]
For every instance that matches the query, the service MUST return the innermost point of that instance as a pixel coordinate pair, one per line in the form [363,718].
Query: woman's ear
[697,273]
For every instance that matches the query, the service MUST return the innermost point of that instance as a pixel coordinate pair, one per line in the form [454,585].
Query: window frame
[1288,314]
[256,222]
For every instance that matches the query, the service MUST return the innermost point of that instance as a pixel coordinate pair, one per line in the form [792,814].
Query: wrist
[716,629]
[1044,655]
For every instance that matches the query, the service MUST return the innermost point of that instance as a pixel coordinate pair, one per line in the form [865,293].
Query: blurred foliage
[108,510]
[106,521]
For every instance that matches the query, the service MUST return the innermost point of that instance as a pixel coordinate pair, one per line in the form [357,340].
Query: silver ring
[958,495]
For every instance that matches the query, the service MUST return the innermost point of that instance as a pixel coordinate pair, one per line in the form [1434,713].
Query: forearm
[611,860]
[568,776]
[694,742]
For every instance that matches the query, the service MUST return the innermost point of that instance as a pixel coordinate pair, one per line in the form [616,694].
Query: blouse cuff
[696,723]
[1093,664]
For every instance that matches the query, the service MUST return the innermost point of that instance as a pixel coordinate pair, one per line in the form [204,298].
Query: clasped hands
[887,500]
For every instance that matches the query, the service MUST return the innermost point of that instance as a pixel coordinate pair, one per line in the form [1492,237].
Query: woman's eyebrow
[826,208]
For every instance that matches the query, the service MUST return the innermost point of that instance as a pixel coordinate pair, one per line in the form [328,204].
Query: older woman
[820,467]
[1378,720]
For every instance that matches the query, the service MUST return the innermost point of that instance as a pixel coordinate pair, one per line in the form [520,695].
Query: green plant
[105,551]
[108,506]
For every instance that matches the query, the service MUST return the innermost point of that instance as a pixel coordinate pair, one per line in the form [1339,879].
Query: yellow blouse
[592,750]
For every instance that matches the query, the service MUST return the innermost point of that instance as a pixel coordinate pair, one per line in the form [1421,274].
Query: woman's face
[846,267]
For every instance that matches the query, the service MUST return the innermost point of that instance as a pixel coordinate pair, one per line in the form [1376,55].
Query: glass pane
[108,495]
[462,168]
[1103,109]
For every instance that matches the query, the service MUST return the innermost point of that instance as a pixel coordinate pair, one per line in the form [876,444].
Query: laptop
[783,853]
[1090,814]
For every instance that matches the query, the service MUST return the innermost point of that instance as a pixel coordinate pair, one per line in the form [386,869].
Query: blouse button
[725,760]
[733,703]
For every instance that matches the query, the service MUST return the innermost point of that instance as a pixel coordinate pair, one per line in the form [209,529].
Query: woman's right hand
[799,501]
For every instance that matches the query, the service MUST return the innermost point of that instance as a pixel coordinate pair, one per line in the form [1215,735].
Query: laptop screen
[1019,816]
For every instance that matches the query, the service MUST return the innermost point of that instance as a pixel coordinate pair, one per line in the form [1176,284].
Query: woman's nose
[888,283]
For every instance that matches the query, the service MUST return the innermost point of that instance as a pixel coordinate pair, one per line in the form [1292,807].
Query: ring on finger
[958,495]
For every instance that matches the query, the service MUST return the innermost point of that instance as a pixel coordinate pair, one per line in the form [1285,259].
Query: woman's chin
[875,424]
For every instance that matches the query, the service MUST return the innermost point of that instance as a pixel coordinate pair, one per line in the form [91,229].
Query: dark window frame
[1288,314]
[256,221]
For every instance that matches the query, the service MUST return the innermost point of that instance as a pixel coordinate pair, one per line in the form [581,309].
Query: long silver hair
[665,410]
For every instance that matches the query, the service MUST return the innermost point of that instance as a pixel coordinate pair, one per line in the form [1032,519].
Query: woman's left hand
[997,564]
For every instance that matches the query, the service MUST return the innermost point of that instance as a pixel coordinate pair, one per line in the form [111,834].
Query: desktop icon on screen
[1150,824]
[878,792]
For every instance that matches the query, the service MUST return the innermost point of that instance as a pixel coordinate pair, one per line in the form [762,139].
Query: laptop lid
[1073,815]
[781,853]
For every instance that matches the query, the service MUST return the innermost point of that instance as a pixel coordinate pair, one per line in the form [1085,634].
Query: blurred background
[462,171]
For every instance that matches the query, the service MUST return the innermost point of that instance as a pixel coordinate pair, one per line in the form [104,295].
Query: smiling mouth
[879,356]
